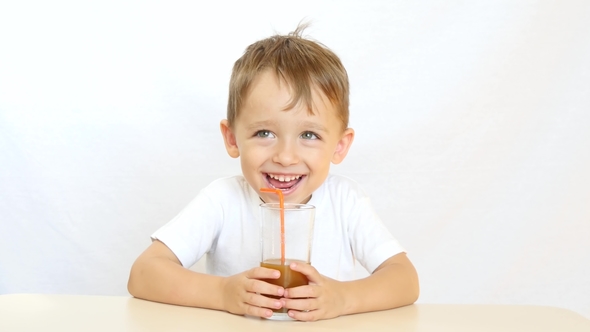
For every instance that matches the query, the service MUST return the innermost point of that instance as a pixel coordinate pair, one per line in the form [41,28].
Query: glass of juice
[285,241]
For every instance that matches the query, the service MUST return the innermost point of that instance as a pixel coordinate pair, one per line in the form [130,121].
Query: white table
[63,313]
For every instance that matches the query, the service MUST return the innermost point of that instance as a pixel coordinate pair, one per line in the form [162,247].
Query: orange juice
[288,278]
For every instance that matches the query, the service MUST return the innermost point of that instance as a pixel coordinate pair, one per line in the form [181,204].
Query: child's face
[286,149]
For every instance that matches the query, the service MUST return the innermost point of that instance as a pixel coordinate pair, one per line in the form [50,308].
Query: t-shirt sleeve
[192,233]
[371,241]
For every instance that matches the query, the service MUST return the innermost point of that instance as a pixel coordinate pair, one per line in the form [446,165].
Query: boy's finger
[263,287]
[252,310]
[306,316]
[301,292]
[310,272]
[262,301]
[262,273]
[300,304]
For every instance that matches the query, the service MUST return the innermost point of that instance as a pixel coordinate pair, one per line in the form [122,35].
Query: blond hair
[302,63]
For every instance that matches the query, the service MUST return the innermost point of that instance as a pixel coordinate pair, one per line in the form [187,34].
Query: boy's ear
[343,146]
[229,139]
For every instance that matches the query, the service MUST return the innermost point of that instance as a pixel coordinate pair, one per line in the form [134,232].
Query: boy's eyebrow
[309,125]
[261,124]
[314,126]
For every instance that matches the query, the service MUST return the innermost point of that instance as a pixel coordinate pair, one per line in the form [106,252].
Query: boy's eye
[309,135]
[263,134]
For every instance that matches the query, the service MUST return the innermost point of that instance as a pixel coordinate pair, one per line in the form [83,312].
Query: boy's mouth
[283,182]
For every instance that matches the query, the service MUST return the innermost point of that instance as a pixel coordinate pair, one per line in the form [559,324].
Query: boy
[287,120]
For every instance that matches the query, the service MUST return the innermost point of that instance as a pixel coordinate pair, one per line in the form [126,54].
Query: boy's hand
[242,293]
[321,299]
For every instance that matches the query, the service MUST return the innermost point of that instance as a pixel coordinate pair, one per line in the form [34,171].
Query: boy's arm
[393,284]
[157,275]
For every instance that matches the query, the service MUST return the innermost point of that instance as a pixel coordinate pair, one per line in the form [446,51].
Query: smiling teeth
[284,178]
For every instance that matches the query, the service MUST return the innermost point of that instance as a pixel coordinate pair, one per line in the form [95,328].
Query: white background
[472,122]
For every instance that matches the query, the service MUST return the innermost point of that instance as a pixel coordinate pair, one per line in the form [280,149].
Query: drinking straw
[282,207]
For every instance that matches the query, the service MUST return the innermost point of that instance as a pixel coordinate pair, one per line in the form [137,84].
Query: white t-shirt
[223,223]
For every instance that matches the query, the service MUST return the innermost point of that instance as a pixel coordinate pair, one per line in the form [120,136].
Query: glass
[297,229]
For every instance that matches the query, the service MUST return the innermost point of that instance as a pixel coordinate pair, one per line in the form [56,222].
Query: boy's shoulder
[228,186]
[232,180]
[342,186]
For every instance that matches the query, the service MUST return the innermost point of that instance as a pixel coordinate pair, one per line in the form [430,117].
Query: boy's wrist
[350,301]
[221,300]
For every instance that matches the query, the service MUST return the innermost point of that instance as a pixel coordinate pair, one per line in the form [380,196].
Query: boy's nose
[286,154]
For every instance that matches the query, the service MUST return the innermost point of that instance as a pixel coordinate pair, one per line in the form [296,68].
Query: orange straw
[282,206]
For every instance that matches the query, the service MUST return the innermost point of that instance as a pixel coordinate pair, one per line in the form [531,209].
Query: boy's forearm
[393,284]
[161,280]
